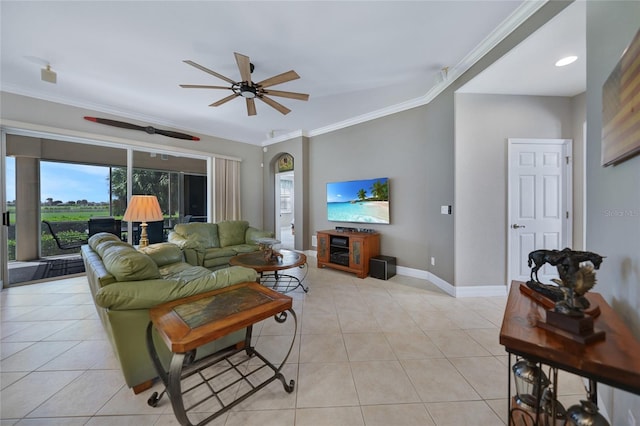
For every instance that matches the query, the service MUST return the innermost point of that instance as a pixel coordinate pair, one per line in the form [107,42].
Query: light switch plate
[445,209]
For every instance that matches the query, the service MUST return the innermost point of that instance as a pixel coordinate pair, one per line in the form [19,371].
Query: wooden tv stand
[347,251]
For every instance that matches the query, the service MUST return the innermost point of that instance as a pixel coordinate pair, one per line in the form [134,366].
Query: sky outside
[65,182]
[342,192]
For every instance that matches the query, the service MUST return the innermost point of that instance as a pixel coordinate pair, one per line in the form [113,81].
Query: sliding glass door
[51,189]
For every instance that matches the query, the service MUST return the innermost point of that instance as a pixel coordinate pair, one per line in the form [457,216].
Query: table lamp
[143,209]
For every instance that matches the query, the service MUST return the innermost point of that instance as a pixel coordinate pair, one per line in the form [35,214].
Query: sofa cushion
[187,282]
[125,263]
[245,248]
[217,262]
[96,239]
[232,232]
[198,235]
[163,253]
[214,253]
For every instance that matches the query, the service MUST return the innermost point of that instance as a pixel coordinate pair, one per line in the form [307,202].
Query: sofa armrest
[193,257]
[179,239]
[252,234]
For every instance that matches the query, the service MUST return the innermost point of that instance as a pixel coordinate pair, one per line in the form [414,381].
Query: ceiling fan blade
[278,79]
[207,70]
[291,95]
[283,109]
[149,129]
[244,65]
[251,106]
[223,100]
[202,86]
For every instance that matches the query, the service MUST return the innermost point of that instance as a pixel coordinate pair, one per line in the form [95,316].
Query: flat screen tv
[359,201]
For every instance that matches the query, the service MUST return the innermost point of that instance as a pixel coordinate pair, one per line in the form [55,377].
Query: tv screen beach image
[361,201]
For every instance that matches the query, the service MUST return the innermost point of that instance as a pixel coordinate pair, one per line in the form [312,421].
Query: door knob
[516,226]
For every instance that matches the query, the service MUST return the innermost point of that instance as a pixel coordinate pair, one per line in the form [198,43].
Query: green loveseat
[212,244]
[126,282]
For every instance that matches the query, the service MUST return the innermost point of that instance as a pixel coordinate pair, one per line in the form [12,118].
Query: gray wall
[483,125]
[415,151]
[613,193]
[69,120]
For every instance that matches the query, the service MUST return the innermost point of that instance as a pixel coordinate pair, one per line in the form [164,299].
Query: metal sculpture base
[214,380]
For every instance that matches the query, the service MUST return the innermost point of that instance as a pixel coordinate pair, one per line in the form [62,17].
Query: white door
[539,202]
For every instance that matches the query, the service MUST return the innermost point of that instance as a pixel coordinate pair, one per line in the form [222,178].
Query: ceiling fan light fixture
[247,91]
[566,61]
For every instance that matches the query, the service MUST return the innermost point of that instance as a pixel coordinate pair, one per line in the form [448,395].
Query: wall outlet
[433,261]
[630,419]
[314,240]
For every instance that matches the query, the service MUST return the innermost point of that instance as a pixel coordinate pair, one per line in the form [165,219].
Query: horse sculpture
[574,280]
[567,260]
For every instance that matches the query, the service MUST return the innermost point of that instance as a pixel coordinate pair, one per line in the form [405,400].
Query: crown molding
[520,15]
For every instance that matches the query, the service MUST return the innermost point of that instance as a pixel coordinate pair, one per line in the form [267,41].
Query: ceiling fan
[248,89]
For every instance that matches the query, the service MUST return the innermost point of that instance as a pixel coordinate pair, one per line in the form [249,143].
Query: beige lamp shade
[143,208]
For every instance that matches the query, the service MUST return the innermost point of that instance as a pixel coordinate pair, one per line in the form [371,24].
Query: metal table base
[193,386]
[283,283]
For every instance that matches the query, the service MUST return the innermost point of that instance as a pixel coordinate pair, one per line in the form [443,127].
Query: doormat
[45,268]
[60,267]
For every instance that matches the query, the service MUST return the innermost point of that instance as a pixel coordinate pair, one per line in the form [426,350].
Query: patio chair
[71,245]
[68,264]
[105,224]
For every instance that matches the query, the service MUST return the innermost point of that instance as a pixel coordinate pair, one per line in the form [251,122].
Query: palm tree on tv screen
[380,191]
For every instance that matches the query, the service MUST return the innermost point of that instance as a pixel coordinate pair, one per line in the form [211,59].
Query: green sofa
[125,283]
[212,244]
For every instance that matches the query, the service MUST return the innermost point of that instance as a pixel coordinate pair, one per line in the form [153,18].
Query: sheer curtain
[227,190]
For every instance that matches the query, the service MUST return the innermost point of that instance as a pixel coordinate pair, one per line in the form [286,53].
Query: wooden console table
[615,361]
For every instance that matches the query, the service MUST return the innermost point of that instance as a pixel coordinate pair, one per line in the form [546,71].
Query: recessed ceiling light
[566,61]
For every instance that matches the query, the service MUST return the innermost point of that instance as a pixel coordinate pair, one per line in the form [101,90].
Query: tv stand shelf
[347,251]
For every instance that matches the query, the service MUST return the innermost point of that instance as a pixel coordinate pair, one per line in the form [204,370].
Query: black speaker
[382,267]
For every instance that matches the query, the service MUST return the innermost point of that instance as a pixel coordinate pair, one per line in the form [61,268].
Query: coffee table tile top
[218,306]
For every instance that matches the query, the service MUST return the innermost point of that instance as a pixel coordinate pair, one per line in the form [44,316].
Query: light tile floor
[368,352]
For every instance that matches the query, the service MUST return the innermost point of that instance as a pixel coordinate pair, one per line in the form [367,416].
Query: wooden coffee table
[212,382]
[283,283]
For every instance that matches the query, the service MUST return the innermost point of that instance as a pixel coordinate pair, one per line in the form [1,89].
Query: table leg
[174,389]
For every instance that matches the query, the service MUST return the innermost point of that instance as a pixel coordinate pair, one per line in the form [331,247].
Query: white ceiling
[355,59]
[530,68]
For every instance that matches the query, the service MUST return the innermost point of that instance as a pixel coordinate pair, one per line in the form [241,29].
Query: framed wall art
[621,108]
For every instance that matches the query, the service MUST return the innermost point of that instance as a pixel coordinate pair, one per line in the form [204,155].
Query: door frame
[277,212]
[4,236]
[567,189]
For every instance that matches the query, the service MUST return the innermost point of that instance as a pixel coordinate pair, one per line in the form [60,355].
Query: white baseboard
[465,291]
